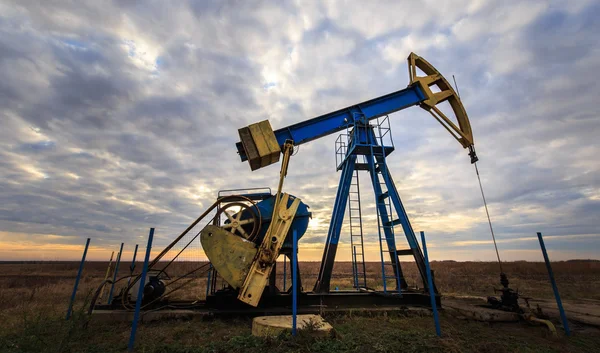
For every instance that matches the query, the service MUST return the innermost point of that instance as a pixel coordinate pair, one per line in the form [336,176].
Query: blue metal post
[284,272]
[87,244]
[112,286]
[335,226]
[132,266]
[355,267]
[208,279]
[382,220]
[138,302]
[563,316]
[436,318]
[409,233]
[294,281]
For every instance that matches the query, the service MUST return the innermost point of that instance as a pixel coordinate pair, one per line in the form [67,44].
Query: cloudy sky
[120,116]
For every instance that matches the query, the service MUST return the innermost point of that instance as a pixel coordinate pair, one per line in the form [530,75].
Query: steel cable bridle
[488,217]
[483,195]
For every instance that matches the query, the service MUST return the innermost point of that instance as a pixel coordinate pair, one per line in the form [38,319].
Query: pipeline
[548,323]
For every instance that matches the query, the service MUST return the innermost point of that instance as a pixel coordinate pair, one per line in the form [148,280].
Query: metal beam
[340,119]
[85,250]
[335,226]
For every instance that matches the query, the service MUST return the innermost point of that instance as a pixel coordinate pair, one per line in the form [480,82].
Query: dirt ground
[34,299]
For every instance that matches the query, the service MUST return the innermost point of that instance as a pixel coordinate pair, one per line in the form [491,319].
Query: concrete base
[263,326]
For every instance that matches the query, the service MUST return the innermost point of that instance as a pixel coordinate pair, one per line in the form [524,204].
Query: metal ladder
[389,270]
[359,273]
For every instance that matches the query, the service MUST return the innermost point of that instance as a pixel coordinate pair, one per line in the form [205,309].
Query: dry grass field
[34,299]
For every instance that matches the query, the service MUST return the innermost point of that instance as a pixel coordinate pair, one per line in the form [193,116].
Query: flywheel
[242,219]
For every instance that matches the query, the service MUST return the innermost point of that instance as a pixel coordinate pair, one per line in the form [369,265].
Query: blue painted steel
[354,268]
[402,215]
[210,267]
[339,120]
[385,219]
[381,211]
[295,289]
[335,226]
[112,287]
[132,266]
[341,199]
[364,142]
[138,302]
[300,222]
[404,221]
[87,244]
[563,316]
[284,272]
[436,318]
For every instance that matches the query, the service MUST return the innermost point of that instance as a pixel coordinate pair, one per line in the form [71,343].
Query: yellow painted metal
[239,261]
[282,218]
[272,150]
[548,323]
[106,275]
[260,144]
[229,254]
[258,275]
[462,132]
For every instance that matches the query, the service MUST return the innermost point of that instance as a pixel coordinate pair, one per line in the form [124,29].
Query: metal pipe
[132,266]
[354,268]
[210,267]
[294,281]
[106,275]
[436,318]
[112,286]
[563,316]
[284,271]
[87,244]
[138,301]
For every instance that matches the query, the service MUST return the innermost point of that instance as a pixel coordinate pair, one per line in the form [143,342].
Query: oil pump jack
[244,247]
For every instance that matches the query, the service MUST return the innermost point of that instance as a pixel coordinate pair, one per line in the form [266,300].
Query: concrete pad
[263,326]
